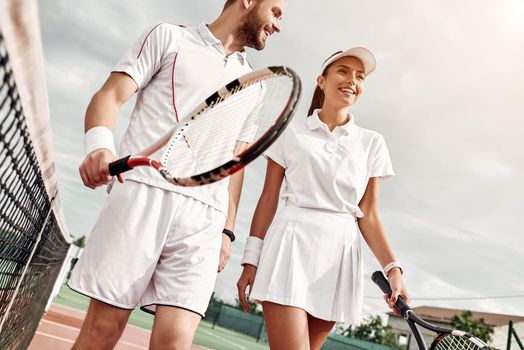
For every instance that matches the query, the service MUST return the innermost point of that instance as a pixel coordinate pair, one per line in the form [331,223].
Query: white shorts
[311,259]
[151,247]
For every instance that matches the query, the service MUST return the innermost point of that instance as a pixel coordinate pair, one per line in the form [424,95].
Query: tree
[80,242]
[373,330]
[467,323]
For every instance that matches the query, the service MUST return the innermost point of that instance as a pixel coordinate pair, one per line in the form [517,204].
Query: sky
[446,95]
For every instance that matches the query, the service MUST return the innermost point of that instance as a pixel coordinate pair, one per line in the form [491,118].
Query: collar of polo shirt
[314,122]
[210,40]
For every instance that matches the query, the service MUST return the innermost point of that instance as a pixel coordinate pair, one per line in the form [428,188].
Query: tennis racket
[225,132]
[445,339]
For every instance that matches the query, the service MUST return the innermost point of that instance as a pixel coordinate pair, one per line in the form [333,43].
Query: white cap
[363,54]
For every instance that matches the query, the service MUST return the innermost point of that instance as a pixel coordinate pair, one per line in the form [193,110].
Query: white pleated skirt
[311,259]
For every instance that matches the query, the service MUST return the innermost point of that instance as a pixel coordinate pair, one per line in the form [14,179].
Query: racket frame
[414,321]
[236,163]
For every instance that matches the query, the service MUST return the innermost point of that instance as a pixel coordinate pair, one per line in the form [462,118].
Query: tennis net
[32,246]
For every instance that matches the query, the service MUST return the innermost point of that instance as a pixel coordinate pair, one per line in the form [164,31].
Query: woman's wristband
[99,137]
[230,234]
[392,265]
[252,251]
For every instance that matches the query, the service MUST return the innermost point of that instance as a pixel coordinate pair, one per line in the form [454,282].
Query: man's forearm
[102,111]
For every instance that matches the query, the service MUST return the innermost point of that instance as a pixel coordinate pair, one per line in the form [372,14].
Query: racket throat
[417,335]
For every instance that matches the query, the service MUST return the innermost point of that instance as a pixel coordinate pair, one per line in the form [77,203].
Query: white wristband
[391,266]
[252,251]
[99,137]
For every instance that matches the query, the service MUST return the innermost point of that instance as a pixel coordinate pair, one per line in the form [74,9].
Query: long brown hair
[318,96]
[317,101]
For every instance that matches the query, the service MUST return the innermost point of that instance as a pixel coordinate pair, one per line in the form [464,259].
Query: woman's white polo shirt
[329,170]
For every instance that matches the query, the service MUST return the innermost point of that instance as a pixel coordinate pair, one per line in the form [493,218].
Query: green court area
[216,338]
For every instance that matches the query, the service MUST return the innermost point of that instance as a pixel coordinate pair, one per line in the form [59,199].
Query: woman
[307,270]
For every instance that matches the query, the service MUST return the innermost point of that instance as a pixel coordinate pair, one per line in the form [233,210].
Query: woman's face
[343,82]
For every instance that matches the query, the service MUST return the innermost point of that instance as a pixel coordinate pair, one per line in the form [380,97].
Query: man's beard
[249,32]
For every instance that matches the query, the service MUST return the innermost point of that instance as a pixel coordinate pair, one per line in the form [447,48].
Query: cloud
[446,95]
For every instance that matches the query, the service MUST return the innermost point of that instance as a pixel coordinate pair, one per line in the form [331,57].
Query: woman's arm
[268,201]
[375,237]
[262,218]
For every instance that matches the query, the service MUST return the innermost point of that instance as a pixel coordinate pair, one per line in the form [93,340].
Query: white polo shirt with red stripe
[175,69]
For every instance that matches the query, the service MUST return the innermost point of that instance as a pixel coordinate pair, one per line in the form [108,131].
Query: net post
[259,333]
[510,327]
[62,275]
[217,315]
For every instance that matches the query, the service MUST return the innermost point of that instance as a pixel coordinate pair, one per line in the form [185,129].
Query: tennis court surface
[61,324]
[59,328]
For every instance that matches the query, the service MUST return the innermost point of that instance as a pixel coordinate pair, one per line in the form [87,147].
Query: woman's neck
[334,117]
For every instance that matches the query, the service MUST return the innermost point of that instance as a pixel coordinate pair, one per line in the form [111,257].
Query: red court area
[59,327]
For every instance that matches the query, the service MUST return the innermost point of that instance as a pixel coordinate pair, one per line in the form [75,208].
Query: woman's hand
[398,290]
[246,280]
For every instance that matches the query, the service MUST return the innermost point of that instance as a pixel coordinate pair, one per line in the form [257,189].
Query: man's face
[262,20]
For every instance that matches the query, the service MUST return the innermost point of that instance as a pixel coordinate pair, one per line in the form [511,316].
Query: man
[156,244]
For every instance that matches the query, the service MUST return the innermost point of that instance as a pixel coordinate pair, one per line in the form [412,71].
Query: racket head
[458,340]
[256,107]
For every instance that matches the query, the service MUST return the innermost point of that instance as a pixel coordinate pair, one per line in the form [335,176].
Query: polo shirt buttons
[331,146]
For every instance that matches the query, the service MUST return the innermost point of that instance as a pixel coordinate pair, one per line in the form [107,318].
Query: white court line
[70,327]
[55,337]
[80,312]
[224,339]
[60,325]
[60,306]
[123,342]
[132,345]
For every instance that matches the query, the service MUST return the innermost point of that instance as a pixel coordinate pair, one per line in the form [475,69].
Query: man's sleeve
[144,58]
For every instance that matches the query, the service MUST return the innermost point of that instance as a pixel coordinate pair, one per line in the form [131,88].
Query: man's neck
[224,29]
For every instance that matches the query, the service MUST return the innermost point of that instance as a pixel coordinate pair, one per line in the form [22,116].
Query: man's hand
[225,252]
[94,169]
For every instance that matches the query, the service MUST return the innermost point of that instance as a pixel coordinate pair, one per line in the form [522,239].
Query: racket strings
[455,342]
[210,139]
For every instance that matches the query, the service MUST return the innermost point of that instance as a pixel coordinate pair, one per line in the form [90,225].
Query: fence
[253,325]
[235,319]
[513,334]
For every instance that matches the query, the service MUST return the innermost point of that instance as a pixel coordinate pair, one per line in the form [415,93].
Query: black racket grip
[382,282]
[119,166]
